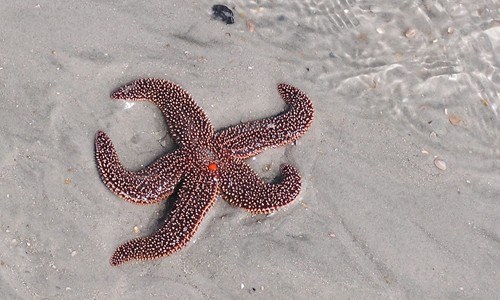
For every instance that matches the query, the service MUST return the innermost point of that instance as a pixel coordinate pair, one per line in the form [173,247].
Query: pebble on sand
[454,119]
[440,164]
[251,25]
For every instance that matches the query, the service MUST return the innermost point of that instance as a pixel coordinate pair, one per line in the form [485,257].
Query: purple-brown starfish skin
[207,163]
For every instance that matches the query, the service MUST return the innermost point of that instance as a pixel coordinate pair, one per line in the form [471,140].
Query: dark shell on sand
[223,13]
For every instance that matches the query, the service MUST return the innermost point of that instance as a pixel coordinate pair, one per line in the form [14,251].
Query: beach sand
[398,92]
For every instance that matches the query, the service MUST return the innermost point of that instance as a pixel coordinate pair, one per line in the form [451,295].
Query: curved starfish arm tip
[148,186]
[185,119]
[248,139]
[242,187]
[129,92]
[196,196]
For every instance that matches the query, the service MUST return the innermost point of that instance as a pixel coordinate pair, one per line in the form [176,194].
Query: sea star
[206,163]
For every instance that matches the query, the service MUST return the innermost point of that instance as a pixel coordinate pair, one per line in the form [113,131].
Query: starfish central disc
[212,167]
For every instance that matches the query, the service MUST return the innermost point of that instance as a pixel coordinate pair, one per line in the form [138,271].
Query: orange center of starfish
[212,167]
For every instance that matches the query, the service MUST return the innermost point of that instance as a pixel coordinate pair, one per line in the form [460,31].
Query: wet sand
[394,88]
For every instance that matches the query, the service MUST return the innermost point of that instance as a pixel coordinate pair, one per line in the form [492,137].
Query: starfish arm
[151,185]
[248,139]
[185,119]
[196,196]
[242,187]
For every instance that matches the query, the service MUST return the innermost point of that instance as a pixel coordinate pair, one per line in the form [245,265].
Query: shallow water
[395,86]
[412,65]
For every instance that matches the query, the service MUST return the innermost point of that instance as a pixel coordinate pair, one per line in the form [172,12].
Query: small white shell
[410,33]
